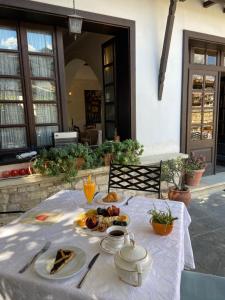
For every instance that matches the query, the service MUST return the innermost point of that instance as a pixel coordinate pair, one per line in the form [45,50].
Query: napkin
[42,217]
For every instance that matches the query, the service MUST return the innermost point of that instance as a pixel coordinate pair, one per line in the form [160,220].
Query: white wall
[158,123]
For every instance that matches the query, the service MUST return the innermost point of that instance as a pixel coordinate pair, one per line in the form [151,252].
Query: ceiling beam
[166,47]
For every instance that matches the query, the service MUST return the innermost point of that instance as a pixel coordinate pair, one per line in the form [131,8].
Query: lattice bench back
[135,177]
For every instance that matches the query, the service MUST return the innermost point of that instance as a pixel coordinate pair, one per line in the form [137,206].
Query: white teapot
[132,262]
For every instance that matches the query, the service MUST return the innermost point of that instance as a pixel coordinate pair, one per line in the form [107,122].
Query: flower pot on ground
[194,178]
[173,171]
[195,167]
[162,221]
[180,195]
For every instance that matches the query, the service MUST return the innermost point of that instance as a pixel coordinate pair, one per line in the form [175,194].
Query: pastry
[111,197]
[62,258]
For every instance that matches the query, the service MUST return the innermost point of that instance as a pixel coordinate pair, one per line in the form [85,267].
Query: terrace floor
[207,232]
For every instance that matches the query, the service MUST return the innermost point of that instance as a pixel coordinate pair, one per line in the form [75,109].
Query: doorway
[220,162]
[202,124]
[100,96]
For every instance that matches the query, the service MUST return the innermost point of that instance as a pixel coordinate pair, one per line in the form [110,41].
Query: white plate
[87,231]
[99,199]
[45,262]
[104,245]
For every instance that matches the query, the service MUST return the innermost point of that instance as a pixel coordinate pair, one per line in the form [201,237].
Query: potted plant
[162,221]
[195,168]
[173,171]
[127,152]
[79,153]
[106,152]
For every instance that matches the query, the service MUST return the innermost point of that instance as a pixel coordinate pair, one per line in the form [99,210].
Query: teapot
[132,262]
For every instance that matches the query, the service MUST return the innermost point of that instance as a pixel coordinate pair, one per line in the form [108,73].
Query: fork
[128,200]
[27,265]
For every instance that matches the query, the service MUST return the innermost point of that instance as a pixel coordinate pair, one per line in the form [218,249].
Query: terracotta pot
[79,162]
[182,196]
[107,158]
[162,229]
[194,178]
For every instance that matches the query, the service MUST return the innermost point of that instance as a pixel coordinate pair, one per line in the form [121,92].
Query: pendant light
[75,22]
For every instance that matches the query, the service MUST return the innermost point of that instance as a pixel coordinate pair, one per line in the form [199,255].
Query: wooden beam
[207,4]
[166,47]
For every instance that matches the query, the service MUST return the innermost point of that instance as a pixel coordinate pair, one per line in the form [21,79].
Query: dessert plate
[45,262]
[100,196]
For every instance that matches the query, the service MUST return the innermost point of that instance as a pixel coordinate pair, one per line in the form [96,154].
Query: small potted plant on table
[173,171]
[195,168]
[162,221]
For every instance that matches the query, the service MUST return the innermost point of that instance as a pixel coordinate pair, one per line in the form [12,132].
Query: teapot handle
[139,270]
[129,238]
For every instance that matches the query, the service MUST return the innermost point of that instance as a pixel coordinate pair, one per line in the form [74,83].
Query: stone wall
[26,192]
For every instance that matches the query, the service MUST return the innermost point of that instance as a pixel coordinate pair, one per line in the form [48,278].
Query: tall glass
[89,189]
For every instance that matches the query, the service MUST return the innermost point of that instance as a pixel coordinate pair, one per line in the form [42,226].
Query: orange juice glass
[89,189]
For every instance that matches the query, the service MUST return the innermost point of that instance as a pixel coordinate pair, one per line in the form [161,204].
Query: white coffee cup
[116,236]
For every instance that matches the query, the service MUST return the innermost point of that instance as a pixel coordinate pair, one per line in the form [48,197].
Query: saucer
[107,248]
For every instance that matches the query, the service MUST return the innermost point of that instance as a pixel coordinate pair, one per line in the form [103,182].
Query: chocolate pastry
[62,258]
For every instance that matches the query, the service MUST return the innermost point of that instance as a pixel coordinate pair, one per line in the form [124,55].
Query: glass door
[109,84]
[203,86]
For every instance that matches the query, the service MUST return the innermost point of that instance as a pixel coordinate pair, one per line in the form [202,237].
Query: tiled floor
[207,232]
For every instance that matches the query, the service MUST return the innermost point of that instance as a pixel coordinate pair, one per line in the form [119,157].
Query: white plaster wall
[158,123]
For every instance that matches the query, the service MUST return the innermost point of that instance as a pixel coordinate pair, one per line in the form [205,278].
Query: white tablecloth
[19,242]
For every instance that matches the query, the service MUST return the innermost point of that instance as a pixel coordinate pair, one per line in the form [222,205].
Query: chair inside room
[136,178]
[198,286]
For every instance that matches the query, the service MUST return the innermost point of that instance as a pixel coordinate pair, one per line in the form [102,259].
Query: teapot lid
[133,252]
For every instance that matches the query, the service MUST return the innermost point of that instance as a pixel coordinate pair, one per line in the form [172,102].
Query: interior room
[84,86]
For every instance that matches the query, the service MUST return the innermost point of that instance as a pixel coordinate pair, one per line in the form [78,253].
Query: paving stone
[207,233]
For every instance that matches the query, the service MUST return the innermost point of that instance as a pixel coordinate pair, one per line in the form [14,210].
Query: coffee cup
[116,236]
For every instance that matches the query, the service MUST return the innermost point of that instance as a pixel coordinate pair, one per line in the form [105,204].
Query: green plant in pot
[106,152]
[195,167]
[54,162]
[128,152]
[173,172]
[162,221]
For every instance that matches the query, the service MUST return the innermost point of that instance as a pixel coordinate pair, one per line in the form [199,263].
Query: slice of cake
[62,258]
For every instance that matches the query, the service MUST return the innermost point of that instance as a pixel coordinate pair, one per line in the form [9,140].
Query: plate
[99,199]
[45,262]
[106,248]
[87,231]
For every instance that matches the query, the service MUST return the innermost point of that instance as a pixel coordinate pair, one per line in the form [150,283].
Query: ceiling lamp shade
[75,24]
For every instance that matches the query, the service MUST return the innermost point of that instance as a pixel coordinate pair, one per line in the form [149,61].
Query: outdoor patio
[207,232]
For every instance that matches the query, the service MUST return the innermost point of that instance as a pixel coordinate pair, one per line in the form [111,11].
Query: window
[205,57]
[203,101]
[29,111]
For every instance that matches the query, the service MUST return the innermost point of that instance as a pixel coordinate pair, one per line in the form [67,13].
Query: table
[19,242]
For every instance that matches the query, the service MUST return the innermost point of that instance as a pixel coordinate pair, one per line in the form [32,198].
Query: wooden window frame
[26,80]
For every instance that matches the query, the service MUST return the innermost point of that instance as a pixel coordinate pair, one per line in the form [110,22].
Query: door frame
[201,38]
[58,15]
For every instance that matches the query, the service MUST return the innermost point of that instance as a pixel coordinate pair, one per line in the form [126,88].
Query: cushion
[197,286]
